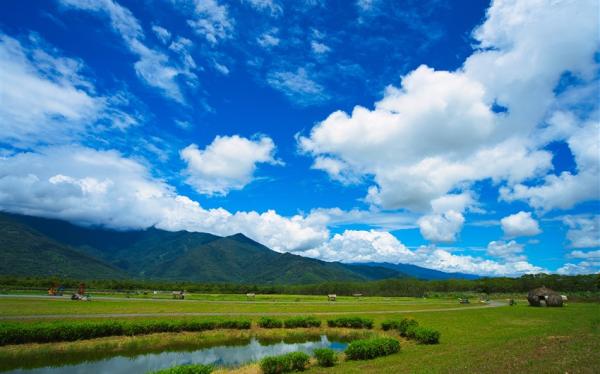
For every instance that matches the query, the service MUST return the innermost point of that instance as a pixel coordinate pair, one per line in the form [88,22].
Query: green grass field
[503,339]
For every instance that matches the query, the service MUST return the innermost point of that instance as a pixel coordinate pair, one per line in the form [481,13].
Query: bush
[366,349]
[301,322]
[47,332]
[390,324]
[406,326]
[186,369]
[295,361]
[353,322]
[326,357]
[425,335]
[270,323]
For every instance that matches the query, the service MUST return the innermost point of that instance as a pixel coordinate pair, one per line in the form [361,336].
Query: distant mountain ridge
[40,246]
[421,272]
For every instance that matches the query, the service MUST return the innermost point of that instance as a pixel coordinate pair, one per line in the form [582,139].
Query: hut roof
[542,291]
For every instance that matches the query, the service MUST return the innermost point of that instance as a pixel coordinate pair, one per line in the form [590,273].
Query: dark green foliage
[424,335]
[352,322]
[366,349]
[406,326]
[295,361]
[187,369]
[45,332]
[390,324]
[326,357]
[295,322]
[270,323]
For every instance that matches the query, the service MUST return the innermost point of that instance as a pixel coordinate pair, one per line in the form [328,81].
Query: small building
[178,295]
[357,295]
[544,297]
[331,297]
[250,295]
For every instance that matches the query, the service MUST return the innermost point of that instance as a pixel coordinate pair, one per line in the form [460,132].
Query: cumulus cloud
[584,231]
[584,267]
[437,132]
[268,39]
[441,227]
[161,33]
[153,67]
[228,163]
[105,188]
[520,224]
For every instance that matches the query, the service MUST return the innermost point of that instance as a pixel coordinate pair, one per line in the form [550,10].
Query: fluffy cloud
[584,267]
[520,224]
[228,163]
[153,67]
[362,246]
[586,255]
[441,227]
[104,188]
[269,6]
[584,231]
[508,250]
[437,132]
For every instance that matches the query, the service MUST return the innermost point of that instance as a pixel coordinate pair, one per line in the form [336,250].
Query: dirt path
[493,304]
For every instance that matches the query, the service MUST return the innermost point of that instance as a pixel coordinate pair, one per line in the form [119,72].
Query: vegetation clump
[406,327]
[390,324]
[366,349]
[301,322]
[326,357]
[295,361]
[45,332]
[270,323]
[351,322]
[424,335]
[186,369]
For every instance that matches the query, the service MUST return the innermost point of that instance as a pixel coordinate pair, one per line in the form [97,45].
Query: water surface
[225,355]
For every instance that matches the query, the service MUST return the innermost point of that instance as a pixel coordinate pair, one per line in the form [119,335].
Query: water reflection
[219,356]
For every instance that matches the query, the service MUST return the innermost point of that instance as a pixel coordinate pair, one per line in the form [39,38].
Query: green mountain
[39,246]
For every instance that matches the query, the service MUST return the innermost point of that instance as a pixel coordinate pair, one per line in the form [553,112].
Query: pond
[225,355]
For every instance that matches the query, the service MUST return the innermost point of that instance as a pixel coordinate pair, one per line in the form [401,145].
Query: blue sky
[460,136]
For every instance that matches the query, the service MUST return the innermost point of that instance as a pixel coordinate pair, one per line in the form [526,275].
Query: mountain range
[33,246]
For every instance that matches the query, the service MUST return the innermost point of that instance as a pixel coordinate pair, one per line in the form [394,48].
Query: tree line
[389,287]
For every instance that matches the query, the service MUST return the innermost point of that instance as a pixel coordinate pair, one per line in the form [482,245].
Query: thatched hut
[544,297]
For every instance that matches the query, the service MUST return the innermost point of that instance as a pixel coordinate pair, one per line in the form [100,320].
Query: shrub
[301,322]
[326,357]
[390,324]
[406,326]
[46,332]
[366,349]
[353,322]
[186,369]
[269,323]
[295,361]
[425,335]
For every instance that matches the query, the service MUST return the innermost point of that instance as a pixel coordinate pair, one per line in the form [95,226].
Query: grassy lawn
[516,339]
[23,307]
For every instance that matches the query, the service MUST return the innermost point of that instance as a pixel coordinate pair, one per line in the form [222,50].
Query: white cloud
[270,6]
[585,255]
[520,224]
[44,97]
[319,48]
[437,132]
[104,188]
[228,163]
[153,67]
[584,267]
[298,86]
[508,250]
[210,19]
[584,231]
[161,33]
[441,227]
[268,39]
